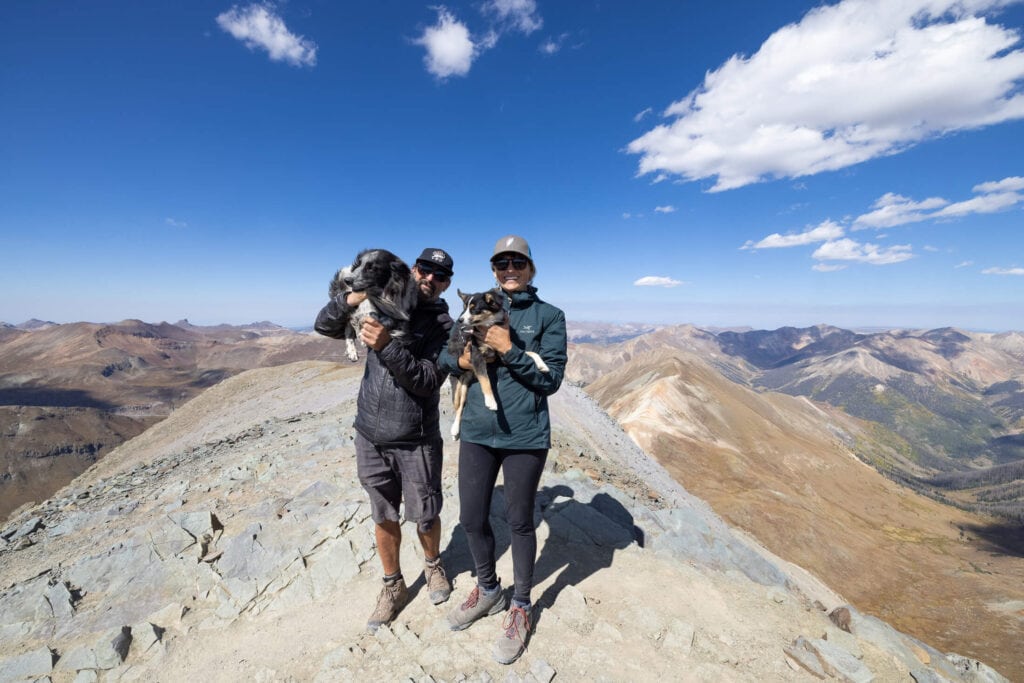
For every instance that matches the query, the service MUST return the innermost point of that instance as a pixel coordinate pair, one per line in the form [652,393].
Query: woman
[514,439]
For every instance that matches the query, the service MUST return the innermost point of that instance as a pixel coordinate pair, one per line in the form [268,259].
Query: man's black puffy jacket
[399,394]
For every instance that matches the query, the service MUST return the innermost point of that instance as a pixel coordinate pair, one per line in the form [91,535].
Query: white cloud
[549,47]
[1011,184]
[828,230]
[553,45]
[450,50]
[665,209]
[930,248]
[850,82]
[1003,271]
[257,26]
[848,250]
[964,264]
[828,267]
[893,209]
[986,203]
[519,15]
[656,281]
[627,216]
[642,115]
[175,224]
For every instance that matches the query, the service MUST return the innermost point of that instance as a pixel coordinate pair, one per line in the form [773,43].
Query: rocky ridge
[232,542]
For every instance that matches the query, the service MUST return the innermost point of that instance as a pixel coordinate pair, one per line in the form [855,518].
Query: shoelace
[511,623]
[473,598]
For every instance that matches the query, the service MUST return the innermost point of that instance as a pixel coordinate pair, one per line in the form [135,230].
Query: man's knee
[424,526]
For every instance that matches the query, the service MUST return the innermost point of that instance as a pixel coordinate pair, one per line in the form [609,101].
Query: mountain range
[886,464]
[852,499]
[71,393]
[232,542]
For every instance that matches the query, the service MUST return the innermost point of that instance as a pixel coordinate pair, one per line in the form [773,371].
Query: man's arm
[333,318]
[421,375]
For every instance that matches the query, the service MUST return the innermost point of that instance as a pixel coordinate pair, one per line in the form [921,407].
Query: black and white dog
[481,310]
[390,293]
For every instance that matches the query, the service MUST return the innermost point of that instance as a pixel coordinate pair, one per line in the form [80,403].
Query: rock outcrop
[232,542]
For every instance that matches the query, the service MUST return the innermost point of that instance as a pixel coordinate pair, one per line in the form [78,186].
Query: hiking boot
[477,605]
[390,602]
[512,641]
[438,587]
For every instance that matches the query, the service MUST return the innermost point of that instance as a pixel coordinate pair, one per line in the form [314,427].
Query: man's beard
[426,289]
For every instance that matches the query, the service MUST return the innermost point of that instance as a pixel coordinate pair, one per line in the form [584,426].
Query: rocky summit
[232,542]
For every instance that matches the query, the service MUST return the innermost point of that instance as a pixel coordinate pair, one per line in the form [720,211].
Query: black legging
[478,470]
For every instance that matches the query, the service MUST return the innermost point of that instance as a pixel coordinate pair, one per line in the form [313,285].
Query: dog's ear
[337,285]
[400,270]
[465,297]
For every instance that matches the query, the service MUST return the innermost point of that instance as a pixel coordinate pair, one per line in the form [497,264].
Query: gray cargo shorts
[393,473]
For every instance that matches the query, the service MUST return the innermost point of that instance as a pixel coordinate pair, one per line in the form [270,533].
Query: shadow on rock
[583,539]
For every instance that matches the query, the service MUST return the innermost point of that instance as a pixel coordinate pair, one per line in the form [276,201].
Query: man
[398,437]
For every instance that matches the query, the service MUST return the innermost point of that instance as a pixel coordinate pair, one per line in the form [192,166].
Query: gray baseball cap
[512,244]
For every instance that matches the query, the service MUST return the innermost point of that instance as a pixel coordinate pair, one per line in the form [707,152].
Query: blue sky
[855,163]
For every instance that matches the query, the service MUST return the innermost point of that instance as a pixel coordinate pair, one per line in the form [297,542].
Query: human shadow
[582,539]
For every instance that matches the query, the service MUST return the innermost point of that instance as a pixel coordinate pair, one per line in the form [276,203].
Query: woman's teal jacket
[521,421]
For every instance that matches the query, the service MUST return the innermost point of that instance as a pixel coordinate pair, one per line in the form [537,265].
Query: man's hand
[355,298]
[498,338]
[373,334]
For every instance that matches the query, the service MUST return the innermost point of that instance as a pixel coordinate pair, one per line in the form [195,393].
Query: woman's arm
[553,350]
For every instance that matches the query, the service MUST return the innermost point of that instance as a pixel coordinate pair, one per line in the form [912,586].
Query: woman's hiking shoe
[478,604]
[393,597]
[514,629]
[439,588]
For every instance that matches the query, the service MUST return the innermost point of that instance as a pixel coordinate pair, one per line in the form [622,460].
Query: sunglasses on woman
[427,271]
[517,263]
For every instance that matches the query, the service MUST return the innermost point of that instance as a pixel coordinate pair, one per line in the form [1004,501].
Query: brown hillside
[783,469]
[71,393]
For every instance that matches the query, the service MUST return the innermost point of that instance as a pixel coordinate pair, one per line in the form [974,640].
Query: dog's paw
[538,361]
[455,431]
[490,402]
[350,350]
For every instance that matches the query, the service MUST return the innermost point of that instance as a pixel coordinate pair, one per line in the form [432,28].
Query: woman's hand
[498,338]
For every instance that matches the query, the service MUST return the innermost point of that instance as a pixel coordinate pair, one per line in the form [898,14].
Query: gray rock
[112,647]
[974,671]
[923,675]
[542,671]
[679,637]
[804,658]
[197,524]
[38,662]
[839,663]
[60,601]
[30,526]
[688,534]
[82,657]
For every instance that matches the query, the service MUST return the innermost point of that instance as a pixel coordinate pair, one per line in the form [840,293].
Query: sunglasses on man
[428,270]
[517,263]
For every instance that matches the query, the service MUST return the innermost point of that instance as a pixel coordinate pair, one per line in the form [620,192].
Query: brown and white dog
[390,293]
[481,310]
